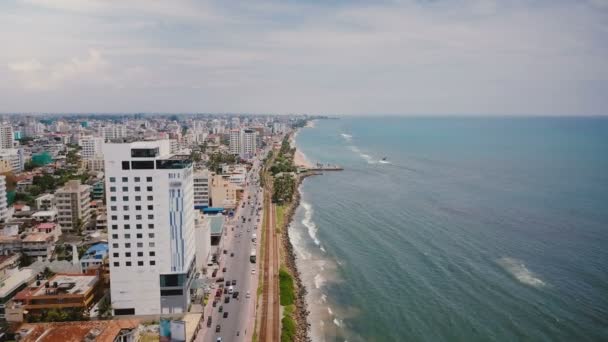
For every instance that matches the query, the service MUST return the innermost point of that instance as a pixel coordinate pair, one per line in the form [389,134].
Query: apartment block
[73,205]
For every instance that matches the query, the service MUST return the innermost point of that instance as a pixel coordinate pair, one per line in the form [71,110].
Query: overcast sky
[330,57]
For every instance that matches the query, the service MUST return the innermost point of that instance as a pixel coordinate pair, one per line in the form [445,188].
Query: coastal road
[241,310]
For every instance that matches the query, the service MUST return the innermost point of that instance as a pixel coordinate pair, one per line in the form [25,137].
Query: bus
[252,256]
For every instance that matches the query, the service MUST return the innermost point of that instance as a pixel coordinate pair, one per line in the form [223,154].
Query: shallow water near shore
[471,229]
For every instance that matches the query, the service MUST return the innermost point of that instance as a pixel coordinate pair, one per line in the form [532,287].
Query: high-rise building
[73,202]
[7,136]
[91,147]
[149,196]
[3,200]
[248,145]
[112,132]
[235,141]
[14,157]
[201,189]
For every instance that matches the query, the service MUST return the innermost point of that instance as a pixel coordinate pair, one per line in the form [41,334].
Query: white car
[247,295]
[253,271]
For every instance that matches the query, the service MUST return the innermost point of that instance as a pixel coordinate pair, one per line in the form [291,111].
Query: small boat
[384,159]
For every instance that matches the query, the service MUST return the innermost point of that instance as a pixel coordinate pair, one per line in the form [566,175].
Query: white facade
[3,200]
[248,145]
[14,156]
[149,196]
[7,136]
[235,141]
[112,132]
[201,189]
[91,147]
[203,240]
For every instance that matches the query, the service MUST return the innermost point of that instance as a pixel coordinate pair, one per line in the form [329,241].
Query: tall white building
[235,141]
[112,132]
[7,136]
[150,228]
[201,189]
[3,200]
[91,147]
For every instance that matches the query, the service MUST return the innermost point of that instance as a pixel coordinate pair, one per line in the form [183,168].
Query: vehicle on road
[235,294]
[227,300]
[224,269]
[233,282]
[252,256]
[253,271]
[227,282]
[247,295]
[219,339]
[231,254]
[253,237]
[221,308]
[217,328]
[225,314]
[208,321]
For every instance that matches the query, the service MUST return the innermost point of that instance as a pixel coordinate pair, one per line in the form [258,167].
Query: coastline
[301,312]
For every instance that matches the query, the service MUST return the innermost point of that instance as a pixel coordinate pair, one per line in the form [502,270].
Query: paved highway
[239,324]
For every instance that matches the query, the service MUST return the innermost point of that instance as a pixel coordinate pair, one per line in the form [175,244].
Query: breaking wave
[520,272]
[309,224]
[347,137]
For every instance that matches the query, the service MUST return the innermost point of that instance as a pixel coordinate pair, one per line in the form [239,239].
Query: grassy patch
[286,289]
[288,329]
[280,217]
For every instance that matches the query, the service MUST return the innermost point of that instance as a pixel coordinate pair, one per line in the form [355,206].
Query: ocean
[472,229]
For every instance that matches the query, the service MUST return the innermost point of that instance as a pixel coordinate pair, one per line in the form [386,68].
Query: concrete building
[38,245]
[45,202]
[112,132]
[203,240]
[92,147]
[249,143]
[123,330]
[149,195]
[94,164]
[201,189]
[11,285]
[235,141]
[73,205]
[3,200]
[224,194]
[7,136]
[14,157]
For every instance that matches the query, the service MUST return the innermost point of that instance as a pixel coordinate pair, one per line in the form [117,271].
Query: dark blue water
[473,229]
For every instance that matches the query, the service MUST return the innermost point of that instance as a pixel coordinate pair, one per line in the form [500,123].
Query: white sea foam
[329,311]
[369,159]
[309,224]
[519,270]
[319,280]
[338,322]
[324,298]
[384,162]
[322,249]
[347,137]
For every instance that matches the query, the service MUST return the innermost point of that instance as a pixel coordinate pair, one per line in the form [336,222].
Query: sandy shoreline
[300,160]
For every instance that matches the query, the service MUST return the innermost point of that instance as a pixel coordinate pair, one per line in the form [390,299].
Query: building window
[114,245]
[125,166]
[114,236]
[138,226]
[122,312]
[137,198]
[140,254]
[126,217]
[140,263]
[128,263]
[114,217]
[125,198]
[148,179]
[139,236]
[127,236]
[128,254]
[138,188]
[112,189]
[150,225]
[116,264]
[114,226]
[150,207]
[125,188]
[125,207]
[138,207]
[149,188]
[112,179]
[150,198]
[138,217]
[152,262]
[140,245]
[125,179]
[112,198]
[152,253]
[113,208]
[151,217]
[151,244]
[127,245]
[116,255]
[137,179]
[143,165]
[151,235]
[127,226]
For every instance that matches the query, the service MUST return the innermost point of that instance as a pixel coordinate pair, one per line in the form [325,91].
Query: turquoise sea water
[473,229]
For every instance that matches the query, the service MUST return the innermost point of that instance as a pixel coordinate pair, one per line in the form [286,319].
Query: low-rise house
[12,284]
[38,245]
[50,228]
[21,207]
[45,216]
[10,244]
[122,330]
[93,258]
[45,202]
[62,291]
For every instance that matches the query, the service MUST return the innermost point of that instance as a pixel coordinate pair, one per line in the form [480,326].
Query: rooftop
[16,279]
[71,284]
[100,331]
[217,224]
[37,237]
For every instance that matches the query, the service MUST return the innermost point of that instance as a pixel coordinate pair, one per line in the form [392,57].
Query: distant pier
[325,167]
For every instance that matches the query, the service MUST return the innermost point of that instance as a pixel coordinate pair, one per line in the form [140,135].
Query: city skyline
[340,58]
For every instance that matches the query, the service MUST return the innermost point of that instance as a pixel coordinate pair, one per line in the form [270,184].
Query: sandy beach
[301,160]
